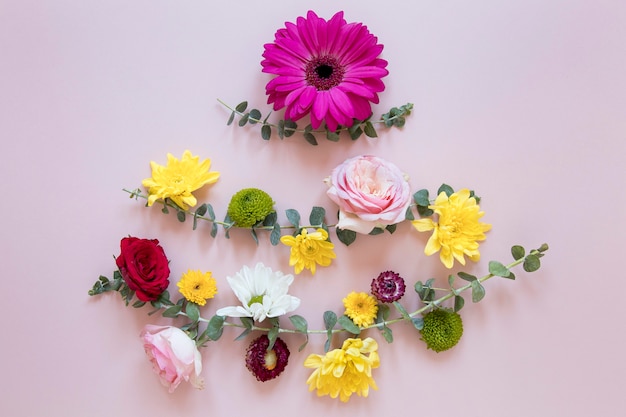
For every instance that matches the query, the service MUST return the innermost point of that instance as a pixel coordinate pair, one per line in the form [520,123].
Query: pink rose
[174,356]
[370,192]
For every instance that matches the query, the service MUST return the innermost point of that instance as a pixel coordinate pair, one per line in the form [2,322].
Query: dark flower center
[324,72]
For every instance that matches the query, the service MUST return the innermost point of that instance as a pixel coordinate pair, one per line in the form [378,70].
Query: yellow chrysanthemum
[197,286]
[178,179]
[309,249]
[342,372]
[361,308]
[458,231]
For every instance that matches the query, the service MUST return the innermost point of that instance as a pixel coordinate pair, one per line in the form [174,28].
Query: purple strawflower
[328,69]
[264,364]
[388,287]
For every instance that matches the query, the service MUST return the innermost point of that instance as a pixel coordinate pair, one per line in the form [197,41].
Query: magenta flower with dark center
[328,69]
[388,287]
[266,364]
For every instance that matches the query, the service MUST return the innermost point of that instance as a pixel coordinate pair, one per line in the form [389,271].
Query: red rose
[144,267]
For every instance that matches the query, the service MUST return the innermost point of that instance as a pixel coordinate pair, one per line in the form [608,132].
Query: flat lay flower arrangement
[329,71]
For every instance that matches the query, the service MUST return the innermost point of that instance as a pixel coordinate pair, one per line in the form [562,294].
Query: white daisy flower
[262,292]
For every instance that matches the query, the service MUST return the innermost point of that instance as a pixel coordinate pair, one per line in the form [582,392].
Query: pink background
[523,101]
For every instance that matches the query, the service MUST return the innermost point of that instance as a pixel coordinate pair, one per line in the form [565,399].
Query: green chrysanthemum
[249,206]
[442,329]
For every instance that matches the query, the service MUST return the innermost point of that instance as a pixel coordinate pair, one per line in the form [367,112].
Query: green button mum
[249,206]
[442,329]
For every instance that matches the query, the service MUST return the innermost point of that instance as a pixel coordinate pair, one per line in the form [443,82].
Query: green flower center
[256,299]
[324,72]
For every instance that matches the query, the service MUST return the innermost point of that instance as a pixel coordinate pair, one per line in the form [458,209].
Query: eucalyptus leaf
[332,136]
[421,198]
[345,236]
[299,323]
[383,313]
[387,334]
[531,263]
[266,132]
[369,130]
[451,281]
[355,133]
[294,217]
[446,189]
[244,119]
[281,128]
[310,137]
[330,319]
[270,219]
[409,214]
[418,322]
[272,335]
[172,311]
[498,269]
[255,116]
[215,327]
[247,322]
[192,311]
[518,252]
[424,211]
[241,107]
[467,277]
[201,211]
[345,322]
[210,211]
[275,235]
[316,218]
[290,128]
[254,236]
[180,215]
[401,310]
[478,291]
[459,302]
[230,119]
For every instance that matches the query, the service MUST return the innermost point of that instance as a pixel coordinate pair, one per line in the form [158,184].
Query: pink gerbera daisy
[328,69]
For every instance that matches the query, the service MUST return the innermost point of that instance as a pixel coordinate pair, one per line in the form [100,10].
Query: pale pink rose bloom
[370,192]
[174,356]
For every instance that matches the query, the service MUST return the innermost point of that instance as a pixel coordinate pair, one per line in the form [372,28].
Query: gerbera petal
[320,105]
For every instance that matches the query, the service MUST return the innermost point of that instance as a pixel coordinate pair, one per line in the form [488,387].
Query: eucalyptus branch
[530,262]
[215,325]
[395,117]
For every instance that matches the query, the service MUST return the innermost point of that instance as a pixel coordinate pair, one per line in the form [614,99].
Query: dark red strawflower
[264,364]
[388,287]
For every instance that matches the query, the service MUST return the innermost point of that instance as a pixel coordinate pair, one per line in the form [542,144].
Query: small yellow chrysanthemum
[361,308]
[178,179]
[458,231]
[309,249]
[342,372]
[197,286]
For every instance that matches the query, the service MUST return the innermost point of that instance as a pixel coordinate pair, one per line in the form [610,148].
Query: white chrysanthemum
[262,292]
